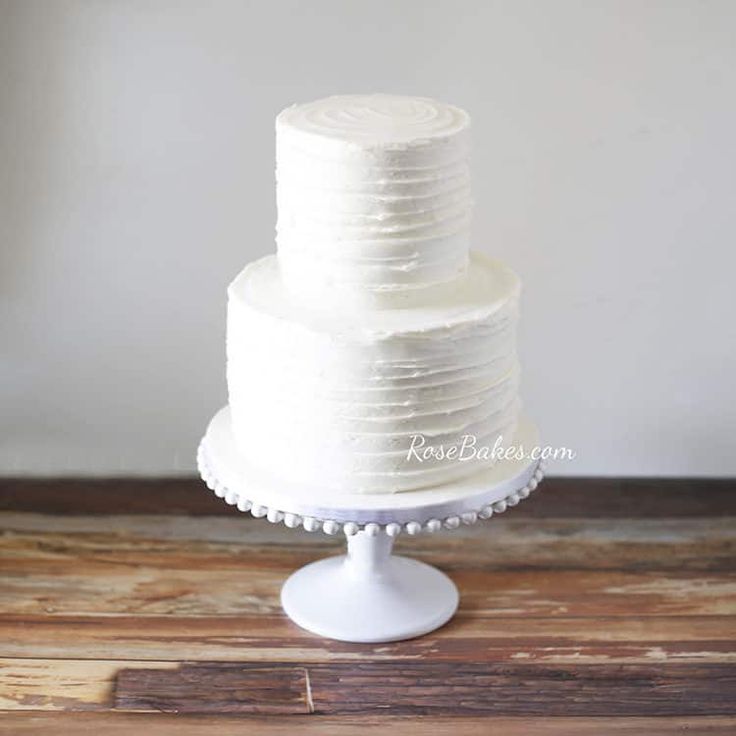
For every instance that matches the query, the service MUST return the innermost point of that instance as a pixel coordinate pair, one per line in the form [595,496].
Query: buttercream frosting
[374,323]
[373,194]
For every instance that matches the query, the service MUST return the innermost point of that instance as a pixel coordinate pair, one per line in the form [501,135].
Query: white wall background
[136,179]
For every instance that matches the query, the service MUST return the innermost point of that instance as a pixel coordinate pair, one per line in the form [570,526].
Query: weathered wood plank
[85,573]
[271,637]
[368,687]
[266,637]
[238,688]
[66,684]
[119,568]
[620,498]
[210,590]
[430,687]
[582,612]
[505,542]
[124,724]
[41,543]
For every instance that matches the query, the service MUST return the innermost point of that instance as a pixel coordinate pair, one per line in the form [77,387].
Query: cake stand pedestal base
[368,595]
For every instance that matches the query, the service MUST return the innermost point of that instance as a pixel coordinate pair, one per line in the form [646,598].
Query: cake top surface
[375,120]
[487,288]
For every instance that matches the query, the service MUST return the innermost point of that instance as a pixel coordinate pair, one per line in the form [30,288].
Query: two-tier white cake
[374,329]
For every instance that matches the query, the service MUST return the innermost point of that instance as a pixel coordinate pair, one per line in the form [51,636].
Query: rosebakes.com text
[469,449]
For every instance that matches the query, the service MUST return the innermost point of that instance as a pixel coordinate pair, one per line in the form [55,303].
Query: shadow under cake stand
[367,595]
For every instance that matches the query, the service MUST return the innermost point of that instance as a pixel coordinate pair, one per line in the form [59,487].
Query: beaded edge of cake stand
[330,526]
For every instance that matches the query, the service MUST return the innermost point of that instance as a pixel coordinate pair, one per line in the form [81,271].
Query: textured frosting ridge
[375,323]
[373,194]
[335,398]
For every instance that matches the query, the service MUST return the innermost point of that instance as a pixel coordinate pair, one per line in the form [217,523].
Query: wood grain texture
[271,638]
[125,724]
[575,612]
[424,688]
[62,685]
[216,688]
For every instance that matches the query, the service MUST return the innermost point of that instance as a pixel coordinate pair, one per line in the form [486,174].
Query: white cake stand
[367,595]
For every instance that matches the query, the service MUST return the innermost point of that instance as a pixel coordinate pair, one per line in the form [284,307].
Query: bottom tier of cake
[418,391]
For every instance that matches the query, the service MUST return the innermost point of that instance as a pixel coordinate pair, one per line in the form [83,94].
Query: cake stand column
[368,556]
[369,595]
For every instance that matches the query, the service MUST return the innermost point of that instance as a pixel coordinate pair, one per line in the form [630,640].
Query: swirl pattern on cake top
[376,119]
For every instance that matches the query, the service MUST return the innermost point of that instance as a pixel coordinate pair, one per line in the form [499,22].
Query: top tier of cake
[373,195]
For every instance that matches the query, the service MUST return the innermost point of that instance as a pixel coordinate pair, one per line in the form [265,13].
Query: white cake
[374,329]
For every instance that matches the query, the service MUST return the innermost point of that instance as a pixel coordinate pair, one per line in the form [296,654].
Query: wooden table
[150,607]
